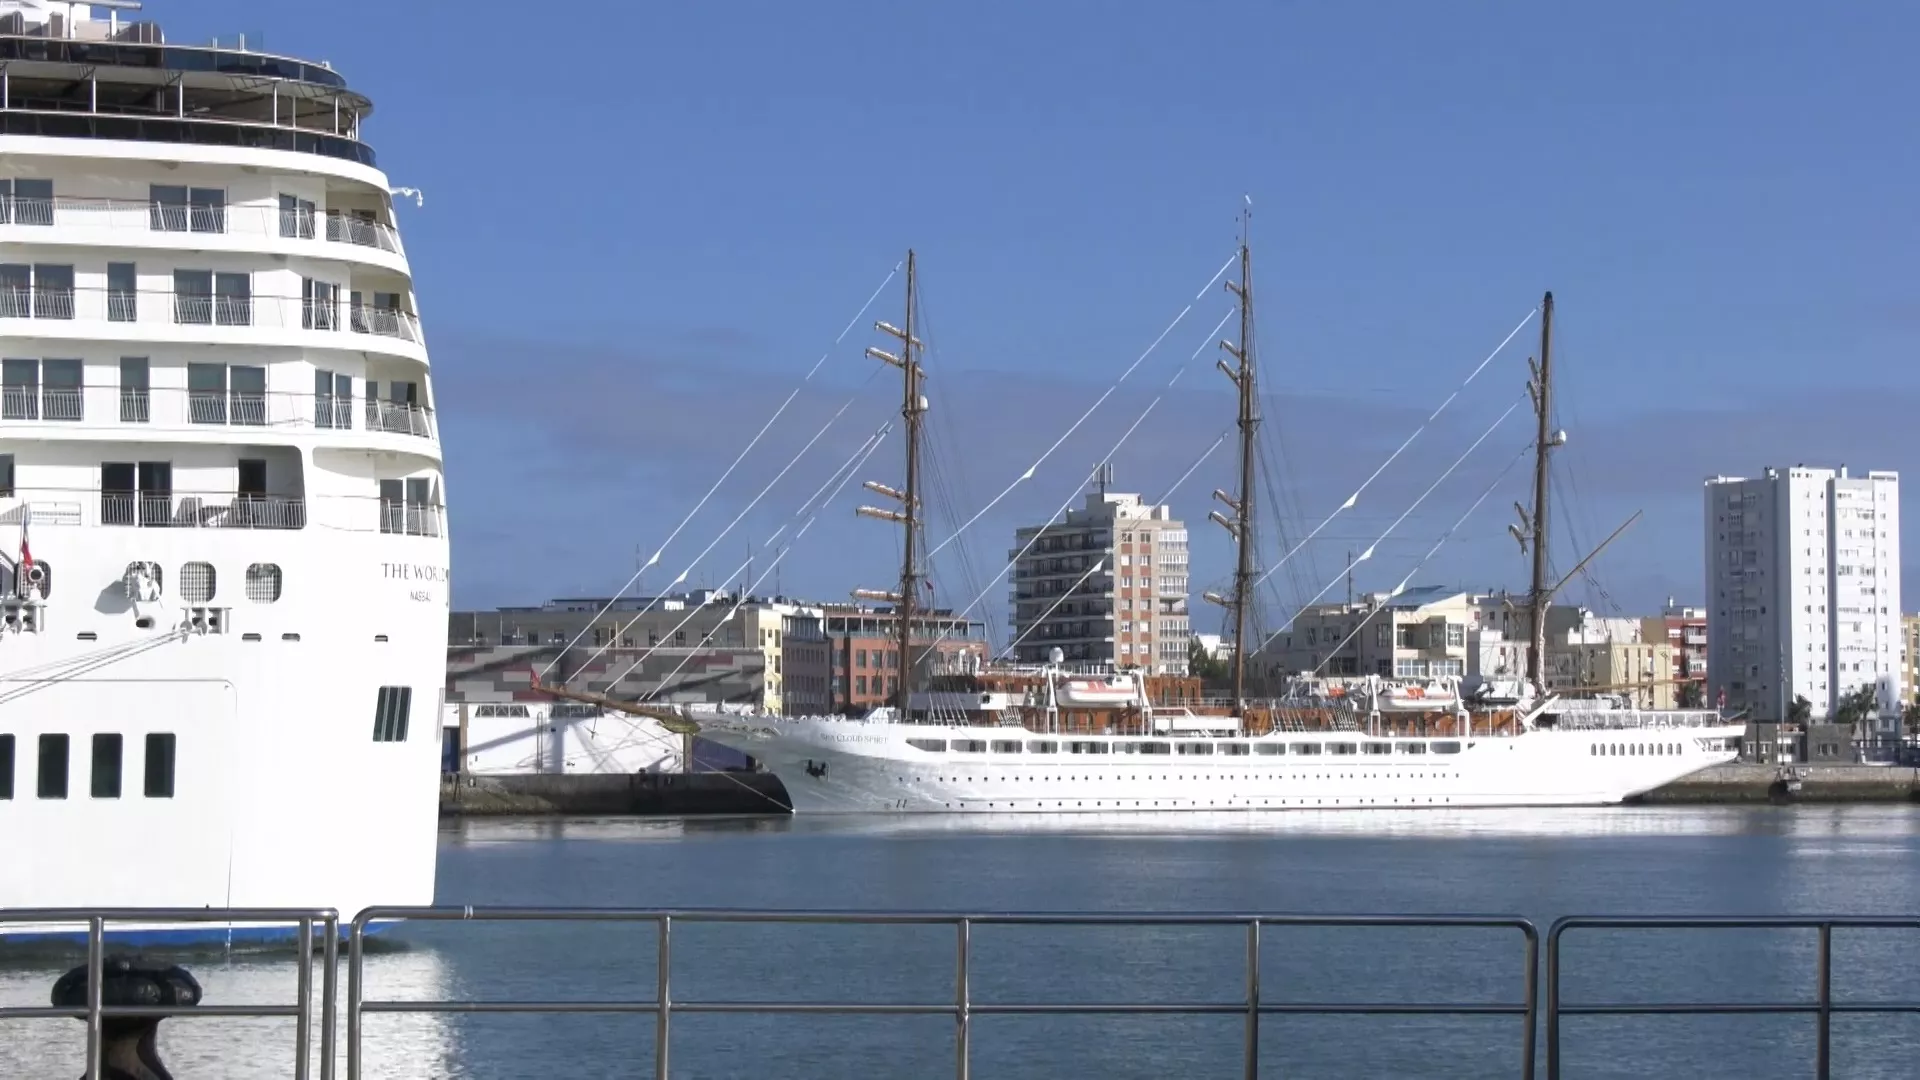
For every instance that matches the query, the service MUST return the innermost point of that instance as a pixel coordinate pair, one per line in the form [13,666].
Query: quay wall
[1744,783]
[665,794]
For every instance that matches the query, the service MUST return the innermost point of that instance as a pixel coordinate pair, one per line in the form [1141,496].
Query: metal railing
[221,510]
[178,307]
[238,219]
[306,922]
[1823,1008]
[174,407]
[663,1007]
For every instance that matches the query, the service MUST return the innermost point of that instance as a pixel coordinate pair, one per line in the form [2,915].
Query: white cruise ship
[223,546]
[1376,743]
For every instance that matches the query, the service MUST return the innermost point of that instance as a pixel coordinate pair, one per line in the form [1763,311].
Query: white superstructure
[1803,590]
[221,501]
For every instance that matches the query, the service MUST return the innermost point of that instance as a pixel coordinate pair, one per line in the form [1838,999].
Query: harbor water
[1536,864]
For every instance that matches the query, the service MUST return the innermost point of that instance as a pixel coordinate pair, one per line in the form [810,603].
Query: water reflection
[405,1047]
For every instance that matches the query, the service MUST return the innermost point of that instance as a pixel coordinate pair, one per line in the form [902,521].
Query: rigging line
[1081,486]
[737,519]
[742,456]
[1368,553]
[1437,545]
[852,468]
[32,686]
[812,503]
[1355,497]
[1193,468]
[1028,475]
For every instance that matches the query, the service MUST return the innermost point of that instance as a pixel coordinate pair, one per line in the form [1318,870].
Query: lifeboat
[1418,698]
[1100,690]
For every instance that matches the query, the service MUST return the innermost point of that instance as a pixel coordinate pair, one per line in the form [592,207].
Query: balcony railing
[205,309]
[139,215]
[173,407]
[56,507]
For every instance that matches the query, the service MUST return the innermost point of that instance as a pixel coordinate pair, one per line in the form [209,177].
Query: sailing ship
[1367,743]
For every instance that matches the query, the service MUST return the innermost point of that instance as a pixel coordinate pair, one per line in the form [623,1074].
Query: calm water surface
[1542,865]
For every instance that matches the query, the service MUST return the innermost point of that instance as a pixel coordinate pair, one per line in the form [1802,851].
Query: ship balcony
[66,311]
[139,222]
[171,408]
[222,510]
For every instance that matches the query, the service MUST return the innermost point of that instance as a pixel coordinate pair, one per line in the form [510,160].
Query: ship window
[1411,747]
[187,209]
[263,582]
[1081,746]
[1375,748]
[1234,749]
[1343,748]
[931,746]
[196,582]
[52,782]
[159,767]
[1304,748]
[6,476]
[970,746]
[391,712]
[1269,748]
[1006,746]
[26,202]
[106,766]
[136,576]
[1043,747]
[1155,748]
[1195,747]
[6,766]
[1446,748]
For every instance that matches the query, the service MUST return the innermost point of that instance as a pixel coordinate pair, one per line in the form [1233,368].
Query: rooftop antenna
[1103,477]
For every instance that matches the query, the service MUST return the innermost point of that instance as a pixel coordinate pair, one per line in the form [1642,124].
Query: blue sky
[645,221]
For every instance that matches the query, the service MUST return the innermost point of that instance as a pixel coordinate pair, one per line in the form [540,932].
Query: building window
[197,582]
[391,713]
[136,393]
[186,209]
[106,766]
[859,684]
[263,582]
[159,766]
[26,202]
[52,782]
[1456,635]
[6,766]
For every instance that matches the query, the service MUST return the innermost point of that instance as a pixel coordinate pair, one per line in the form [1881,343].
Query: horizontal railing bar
[1235,1008]
[145,1012]
[895,918]
[80,916]
[1719,922]
[1697,1008]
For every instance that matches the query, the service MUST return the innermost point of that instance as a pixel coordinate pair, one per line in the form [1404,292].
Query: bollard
[127,1045]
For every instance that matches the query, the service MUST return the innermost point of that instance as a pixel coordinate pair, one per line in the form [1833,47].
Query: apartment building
[1803,591]
[1108,585]
[1910,657]
[1685,630]
[1418,633]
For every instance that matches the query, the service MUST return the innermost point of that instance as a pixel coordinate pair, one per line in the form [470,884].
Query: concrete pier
[1741,783]
[615,793]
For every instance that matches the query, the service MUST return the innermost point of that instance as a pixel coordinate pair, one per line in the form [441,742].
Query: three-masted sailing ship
[1049,739]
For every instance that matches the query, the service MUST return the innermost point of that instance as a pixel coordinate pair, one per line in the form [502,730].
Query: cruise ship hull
[853,766]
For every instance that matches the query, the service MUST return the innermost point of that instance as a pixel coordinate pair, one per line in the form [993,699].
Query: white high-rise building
[1803,590]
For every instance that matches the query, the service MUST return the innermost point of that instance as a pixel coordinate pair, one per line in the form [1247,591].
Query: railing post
[1252,1056]
[303,987]
[355,995]
[663,999]
[1553,1002]
[963,1000]
[1532,982]
[96,976]
[1823,1041]
[329,993]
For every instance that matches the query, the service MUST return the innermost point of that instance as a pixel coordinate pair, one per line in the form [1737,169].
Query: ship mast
[1541,389]
[912,407]
[1243,373]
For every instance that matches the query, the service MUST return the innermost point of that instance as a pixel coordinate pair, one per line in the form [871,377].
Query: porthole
[197,582]
[263,582]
